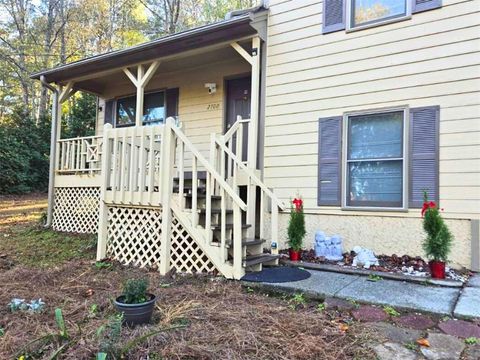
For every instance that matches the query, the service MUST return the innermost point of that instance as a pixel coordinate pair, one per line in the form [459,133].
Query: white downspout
[53,150]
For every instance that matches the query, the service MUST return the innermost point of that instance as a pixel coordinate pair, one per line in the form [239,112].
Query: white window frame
[374,23]
[405,167]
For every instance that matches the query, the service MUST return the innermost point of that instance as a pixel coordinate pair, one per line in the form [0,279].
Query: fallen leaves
[423,342]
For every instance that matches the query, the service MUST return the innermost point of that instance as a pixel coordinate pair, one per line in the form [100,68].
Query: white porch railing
[79,155]
[234,169]
[133,165]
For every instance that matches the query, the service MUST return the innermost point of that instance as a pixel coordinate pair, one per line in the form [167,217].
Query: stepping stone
[339,304]
[443,347]
[369,314]
[474,281]
[395,333]
[402,295]
[468,305]
[415,321]
[472,352]
[393,351]
[460,328]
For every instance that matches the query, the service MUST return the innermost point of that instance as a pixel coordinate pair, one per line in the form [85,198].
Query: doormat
[279,274]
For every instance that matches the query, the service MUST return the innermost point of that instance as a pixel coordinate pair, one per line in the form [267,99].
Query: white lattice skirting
[76,210]
[134,237]
[185,254]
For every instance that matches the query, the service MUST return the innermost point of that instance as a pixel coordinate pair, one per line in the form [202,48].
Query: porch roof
[237,25]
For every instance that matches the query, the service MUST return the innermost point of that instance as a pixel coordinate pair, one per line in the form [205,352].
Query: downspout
[53,150]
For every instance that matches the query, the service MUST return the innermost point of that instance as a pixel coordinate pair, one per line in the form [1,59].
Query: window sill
[374,209]
[380,23]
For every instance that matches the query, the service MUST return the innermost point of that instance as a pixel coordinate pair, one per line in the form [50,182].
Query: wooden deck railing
[133,165]
[79,155]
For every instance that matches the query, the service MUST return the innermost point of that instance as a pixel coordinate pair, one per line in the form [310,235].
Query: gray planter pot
[136,314]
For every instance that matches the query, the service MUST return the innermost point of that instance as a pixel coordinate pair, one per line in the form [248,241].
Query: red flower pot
[437,269]
[295,255]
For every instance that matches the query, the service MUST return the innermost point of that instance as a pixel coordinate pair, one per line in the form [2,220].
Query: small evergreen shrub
[296,226]
[135,291]
[438,243]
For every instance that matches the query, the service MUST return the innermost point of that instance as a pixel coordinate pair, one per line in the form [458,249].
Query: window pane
[126,111]
[370,11]
[375,136]
[154,108]
[375,183]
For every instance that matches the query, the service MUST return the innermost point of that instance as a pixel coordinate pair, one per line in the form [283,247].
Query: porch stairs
[253,256]
[217,203]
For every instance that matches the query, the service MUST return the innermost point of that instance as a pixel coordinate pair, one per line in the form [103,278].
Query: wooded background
[36,35]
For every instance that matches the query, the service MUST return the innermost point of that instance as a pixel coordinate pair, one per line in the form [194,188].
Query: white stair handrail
[251,174]
[208,166]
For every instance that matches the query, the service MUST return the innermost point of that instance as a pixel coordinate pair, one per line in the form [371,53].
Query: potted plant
[296,229]
[135,303]
[438,241]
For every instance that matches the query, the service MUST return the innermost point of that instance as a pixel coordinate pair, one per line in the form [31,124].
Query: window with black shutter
[359,14]
[383,166]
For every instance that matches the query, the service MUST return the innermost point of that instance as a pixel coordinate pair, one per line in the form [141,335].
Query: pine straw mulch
[220,319]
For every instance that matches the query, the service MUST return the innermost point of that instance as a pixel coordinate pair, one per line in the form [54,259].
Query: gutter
[53,150]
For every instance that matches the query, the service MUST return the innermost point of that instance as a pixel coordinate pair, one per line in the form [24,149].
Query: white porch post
[103,211]
[253,133]
[58,98]
[140,81]
[254,60]
[140,95]
[168,156]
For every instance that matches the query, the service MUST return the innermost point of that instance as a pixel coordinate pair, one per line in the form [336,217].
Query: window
[364,13]
[374,160]
[153,109]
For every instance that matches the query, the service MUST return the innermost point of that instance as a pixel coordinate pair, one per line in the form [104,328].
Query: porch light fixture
[212,88]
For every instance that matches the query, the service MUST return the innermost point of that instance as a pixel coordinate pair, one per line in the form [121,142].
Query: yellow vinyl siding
[431,59]
[198,120]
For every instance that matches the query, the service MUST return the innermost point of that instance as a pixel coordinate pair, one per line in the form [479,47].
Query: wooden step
[245,242]
[229,227]
[215,211]
[258,259]
[252,242]
[188,189]
[203,196]
[187,175]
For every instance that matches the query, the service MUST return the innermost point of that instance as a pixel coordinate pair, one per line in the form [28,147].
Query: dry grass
[222,321]
[218,319]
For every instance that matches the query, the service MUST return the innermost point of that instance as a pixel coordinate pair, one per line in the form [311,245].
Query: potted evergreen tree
[136,303]
[296,229]
[438,241]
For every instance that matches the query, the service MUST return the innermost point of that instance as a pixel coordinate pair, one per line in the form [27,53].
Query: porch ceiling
[100,83]
[185,47]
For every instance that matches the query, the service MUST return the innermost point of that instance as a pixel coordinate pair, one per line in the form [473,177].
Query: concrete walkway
[458,302]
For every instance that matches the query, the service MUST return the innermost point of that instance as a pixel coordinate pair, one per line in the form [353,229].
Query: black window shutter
[333,15]
[424,5]
[424,149]
[329,161]
[172,102]
[109,112]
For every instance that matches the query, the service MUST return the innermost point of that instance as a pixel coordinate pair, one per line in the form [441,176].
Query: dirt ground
[197,317]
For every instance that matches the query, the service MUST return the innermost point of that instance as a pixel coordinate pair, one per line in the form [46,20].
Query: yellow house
[357,108]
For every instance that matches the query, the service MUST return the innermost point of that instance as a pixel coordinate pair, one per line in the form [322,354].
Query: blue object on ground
[277,275]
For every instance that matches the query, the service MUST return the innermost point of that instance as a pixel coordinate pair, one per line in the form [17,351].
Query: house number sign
[215,106]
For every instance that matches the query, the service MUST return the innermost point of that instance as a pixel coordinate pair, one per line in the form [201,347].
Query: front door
[238,104]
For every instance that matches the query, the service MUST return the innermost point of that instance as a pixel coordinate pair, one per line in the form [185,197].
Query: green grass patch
[38,247]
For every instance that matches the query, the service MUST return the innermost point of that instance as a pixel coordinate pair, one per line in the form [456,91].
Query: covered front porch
[172,177]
